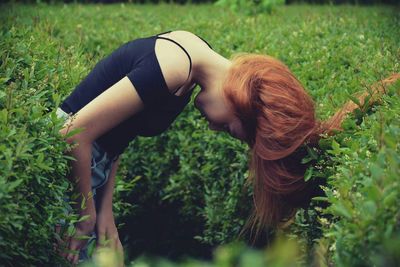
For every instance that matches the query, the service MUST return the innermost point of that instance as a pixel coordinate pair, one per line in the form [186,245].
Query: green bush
[181,193]
[251,7]
[364,195]
[283,252]
[359,221]
[32,164]
[194,183]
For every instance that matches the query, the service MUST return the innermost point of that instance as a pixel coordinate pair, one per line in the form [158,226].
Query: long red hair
[278,116]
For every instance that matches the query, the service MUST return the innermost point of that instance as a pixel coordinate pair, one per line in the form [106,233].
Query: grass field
[46,50]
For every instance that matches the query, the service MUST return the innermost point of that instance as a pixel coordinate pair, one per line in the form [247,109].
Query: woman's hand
[107,234]
[73,244]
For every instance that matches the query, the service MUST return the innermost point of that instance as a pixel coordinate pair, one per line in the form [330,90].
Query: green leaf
[312,153]
[73,132]
[308,174]
[341,210]
[390,199]
[71,230]
[306,160]
[82,237]
[370,207]
[84,218]
[354,99]
[83,203]
[320,199]
[12,185]
[3,116]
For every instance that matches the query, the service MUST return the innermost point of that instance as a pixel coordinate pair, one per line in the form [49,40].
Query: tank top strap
[184,50]
[205,41]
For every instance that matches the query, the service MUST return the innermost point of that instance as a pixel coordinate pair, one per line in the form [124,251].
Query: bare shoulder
[184,33]
[190,38]
[190,41]
[174,62]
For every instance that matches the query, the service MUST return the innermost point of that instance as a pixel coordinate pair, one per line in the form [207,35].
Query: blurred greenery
[254,5]
[181,194]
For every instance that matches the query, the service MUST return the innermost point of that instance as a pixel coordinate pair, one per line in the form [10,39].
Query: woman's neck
[210,71]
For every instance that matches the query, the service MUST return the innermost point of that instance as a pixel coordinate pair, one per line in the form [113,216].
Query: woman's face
[218,113]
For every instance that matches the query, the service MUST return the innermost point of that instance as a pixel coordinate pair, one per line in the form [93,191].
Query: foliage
[32,163]
[251,7]
[364,195]
[248,6]
[338,2]
[182,193]
[283,252]
[361,165]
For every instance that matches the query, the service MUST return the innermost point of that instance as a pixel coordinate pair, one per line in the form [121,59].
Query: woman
[141,87]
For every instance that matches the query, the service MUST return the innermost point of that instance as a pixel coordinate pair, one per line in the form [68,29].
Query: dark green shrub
[32,164]
[196,177]
[251,7]
[187,184]
[365,188]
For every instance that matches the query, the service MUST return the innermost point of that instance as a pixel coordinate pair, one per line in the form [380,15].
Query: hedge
[181,194]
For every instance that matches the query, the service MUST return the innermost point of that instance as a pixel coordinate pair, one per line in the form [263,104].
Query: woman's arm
[80,177]
[100,115]
[107,233]
[97,117]
[105,193]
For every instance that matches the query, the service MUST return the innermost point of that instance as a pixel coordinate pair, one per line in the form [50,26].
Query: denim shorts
[101,165]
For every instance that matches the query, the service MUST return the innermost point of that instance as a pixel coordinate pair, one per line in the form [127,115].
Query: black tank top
[137,60]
